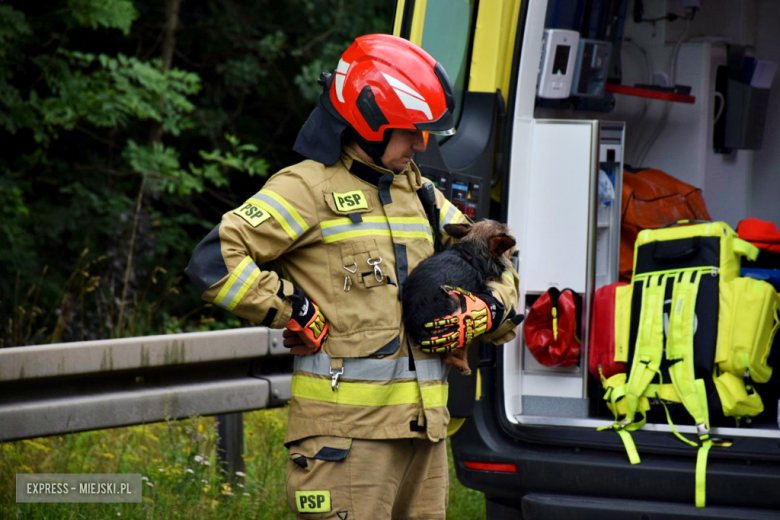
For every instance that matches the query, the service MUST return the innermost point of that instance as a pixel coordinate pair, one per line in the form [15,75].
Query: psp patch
[252,213]
[313,501]
[350,201]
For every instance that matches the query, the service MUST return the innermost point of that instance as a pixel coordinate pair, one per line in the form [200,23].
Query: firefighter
[368,415]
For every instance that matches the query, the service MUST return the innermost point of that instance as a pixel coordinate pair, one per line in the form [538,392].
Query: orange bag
[652,199]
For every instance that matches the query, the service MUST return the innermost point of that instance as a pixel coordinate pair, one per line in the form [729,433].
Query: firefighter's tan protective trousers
[358,479]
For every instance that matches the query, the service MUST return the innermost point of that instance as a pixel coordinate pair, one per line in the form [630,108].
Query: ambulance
[561,102]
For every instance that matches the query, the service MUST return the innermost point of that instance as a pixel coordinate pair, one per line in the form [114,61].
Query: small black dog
[469,264]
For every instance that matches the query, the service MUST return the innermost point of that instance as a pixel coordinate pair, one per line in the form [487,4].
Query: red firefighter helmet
[383,81]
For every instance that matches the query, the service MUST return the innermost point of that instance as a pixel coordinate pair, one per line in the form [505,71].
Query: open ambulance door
[569,237]
[475,43]
[540,443]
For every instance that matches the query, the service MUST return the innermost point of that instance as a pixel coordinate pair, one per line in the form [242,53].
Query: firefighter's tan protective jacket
[348,235]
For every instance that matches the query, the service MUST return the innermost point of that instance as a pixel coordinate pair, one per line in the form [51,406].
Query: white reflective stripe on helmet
[341,74]
[411,99]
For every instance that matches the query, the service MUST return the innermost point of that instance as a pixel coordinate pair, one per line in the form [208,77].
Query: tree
[134,126]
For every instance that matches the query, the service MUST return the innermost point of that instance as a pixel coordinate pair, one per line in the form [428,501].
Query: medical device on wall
[559,54]
[592,68]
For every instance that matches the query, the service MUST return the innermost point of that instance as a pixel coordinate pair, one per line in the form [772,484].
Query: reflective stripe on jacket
[348,235]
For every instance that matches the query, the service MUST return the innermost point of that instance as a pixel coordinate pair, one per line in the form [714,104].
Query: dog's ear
[457,230]
[501,244]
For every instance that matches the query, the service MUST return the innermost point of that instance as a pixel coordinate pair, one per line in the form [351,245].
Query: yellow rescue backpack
[688,321]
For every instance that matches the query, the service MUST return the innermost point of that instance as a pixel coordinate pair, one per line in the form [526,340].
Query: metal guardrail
[73,387]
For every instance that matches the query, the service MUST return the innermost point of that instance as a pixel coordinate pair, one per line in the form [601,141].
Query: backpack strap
[680,352]
[629,398]
[701,471]
[679,345]
[615,391]
[648,350]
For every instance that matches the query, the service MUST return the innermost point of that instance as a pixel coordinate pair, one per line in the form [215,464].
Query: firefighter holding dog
[368,415]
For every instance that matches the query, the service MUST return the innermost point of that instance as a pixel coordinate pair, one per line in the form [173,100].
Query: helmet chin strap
[374,149]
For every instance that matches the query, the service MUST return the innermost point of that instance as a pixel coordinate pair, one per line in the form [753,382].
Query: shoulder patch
[252,213]
[350,201]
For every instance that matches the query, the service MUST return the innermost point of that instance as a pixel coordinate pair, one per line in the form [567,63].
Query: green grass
[178,459]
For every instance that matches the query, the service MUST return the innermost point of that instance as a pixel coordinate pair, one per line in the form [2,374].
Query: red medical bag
[601,353]
[550,328]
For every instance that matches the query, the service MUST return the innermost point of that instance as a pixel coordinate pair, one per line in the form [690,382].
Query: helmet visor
[444,125]
[451,131]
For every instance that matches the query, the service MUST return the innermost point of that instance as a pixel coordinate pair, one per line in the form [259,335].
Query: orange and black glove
[476,315]
[307,328]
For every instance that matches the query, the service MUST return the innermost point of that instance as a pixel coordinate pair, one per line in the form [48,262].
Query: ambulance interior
[721,135]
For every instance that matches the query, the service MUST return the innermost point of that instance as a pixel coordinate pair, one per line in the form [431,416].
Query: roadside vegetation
[129,127]
[182,477]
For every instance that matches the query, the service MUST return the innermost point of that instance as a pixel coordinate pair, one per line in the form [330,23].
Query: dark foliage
[129,128]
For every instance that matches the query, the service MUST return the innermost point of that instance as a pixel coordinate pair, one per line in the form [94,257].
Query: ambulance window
[447,37]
